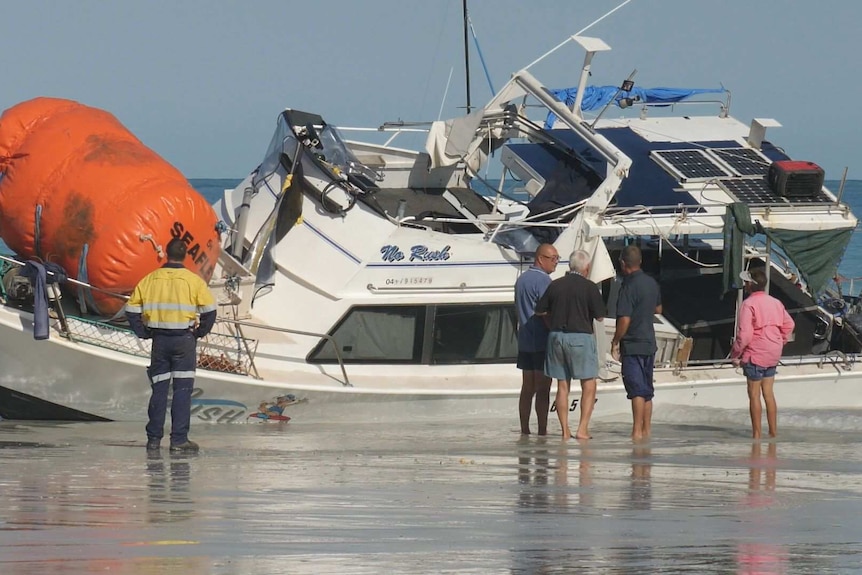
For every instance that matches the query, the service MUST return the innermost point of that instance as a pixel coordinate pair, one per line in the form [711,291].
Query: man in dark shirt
[634,339]
[569,305]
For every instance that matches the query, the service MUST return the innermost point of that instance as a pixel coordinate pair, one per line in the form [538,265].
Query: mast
[466,53]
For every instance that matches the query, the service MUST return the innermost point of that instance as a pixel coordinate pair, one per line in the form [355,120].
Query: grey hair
[579,261]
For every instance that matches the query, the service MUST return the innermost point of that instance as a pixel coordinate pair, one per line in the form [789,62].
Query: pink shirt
[764,328]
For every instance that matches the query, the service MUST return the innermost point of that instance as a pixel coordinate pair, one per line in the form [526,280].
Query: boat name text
[419,253]
[195,253]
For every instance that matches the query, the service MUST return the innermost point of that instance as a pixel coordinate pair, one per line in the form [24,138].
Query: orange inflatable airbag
[80,190]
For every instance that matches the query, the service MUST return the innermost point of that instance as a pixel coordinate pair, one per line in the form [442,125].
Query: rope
[157,247]
[669,243]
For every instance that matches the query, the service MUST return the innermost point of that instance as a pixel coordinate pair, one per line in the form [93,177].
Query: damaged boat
[363,278]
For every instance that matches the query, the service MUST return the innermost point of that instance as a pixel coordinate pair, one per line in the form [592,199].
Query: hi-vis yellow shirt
[171,298]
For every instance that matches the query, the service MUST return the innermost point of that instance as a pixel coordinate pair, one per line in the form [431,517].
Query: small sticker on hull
[273,410]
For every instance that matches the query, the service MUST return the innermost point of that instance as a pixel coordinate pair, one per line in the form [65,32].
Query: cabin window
[474,334]
[451,334]
[380,334]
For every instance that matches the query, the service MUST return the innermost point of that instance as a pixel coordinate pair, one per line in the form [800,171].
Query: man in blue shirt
[634,339]
[533,338]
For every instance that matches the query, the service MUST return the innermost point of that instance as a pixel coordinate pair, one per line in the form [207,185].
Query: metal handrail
[692,209]
[509,223]
[68,279]
[819,360]
[327,337]
[416,289]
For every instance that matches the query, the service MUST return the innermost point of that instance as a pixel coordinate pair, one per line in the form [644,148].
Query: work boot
[153,444]
[187,447]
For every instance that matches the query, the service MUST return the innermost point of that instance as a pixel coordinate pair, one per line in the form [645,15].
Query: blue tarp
[596,97]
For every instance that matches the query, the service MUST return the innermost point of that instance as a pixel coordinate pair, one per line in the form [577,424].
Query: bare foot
[579,436]
[525,432]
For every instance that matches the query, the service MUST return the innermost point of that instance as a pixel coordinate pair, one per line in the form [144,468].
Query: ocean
[459,495]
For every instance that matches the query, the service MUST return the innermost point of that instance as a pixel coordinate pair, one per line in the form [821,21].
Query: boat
[363,279]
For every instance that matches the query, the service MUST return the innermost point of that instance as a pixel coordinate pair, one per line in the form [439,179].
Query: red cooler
[795,179]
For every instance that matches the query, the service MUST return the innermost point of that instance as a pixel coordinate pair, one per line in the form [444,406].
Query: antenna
[591,46]
[624,87]
[466,53]
[574,36]
[481,57]
[445,93]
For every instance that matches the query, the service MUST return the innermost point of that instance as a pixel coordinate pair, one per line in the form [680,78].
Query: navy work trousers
[173,359]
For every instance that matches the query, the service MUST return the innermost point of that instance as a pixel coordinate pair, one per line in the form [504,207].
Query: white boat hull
[99,383]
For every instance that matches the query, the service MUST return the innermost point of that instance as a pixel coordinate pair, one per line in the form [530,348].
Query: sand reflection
[757,553]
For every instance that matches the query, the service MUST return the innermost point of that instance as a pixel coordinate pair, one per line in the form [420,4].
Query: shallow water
[468,496]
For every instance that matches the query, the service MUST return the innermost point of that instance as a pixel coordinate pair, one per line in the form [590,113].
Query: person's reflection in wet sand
[532,505]
[156,478]
[755,554]
[641,486]
[544,467]
[533,474]
[169,492]
[585,479]
[761,474]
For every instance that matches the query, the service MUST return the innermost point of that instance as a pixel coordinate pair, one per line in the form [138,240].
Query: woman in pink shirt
[764,327]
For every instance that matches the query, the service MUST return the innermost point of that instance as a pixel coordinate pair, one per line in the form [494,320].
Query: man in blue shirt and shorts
[634,338]
[533,338]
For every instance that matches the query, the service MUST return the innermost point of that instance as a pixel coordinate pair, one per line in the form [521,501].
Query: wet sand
[468,496]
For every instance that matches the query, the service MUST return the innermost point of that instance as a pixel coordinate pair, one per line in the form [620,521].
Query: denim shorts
[571,356]
[531,360]
[637,373]
[755,372]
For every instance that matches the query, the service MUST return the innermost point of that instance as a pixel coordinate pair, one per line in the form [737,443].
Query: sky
[202,82]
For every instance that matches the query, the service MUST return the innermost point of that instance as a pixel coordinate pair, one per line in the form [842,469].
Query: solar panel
[755,191]
[690,165]
[743,161]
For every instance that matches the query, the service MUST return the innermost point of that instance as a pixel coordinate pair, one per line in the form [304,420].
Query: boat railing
[217,351]
[852,285]
[556,218]
[239,324]
[694,210]
[723,105]
[226,350]
[55,294]
[462,287]
[13,261]
[394,128]
[836,358]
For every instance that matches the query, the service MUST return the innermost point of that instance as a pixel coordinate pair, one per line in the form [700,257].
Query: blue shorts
[637,373]
[571,356]
[531,360]
[756,373]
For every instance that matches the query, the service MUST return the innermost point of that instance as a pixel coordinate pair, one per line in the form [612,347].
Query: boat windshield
[322,140]
[333,150]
